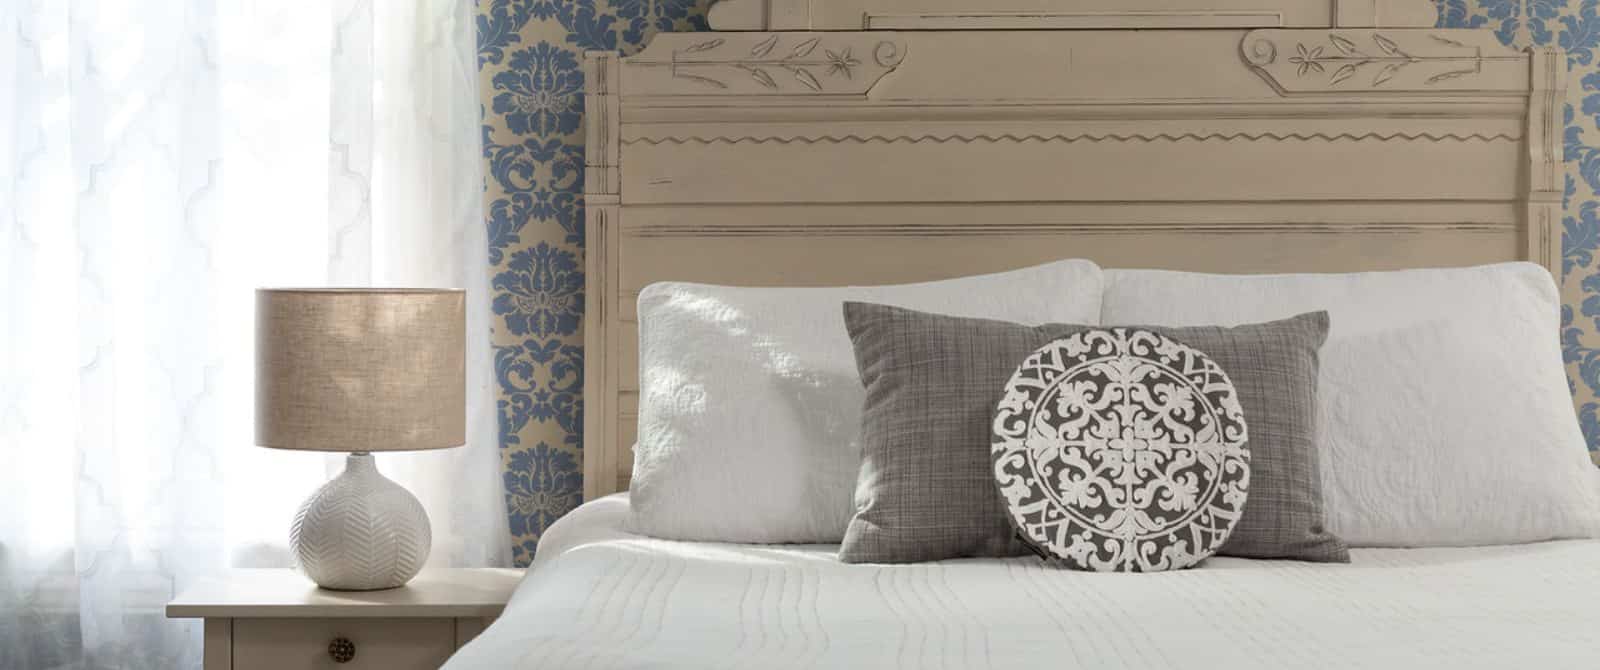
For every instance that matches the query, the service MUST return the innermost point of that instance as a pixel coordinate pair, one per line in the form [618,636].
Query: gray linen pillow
[926,489]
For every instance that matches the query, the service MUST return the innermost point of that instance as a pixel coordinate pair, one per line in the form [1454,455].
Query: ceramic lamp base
[360,531]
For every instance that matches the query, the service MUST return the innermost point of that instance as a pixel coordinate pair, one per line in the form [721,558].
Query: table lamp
[360,371]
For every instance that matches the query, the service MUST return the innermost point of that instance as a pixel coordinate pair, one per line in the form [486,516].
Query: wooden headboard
[870,156]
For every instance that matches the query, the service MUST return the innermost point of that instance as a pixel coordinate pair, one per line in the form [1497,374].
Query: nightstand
[278,619]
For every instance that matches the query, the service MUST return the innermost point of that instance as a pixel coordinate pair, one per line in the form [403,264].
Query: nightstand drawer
[303,644]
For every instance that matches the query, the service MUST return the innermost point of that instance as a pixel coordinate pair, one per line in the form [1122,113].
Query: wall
[529,57]
[529,54]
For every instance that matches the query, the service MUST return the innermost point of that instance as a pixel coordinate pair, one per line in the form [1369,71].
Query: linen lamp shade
[360,370]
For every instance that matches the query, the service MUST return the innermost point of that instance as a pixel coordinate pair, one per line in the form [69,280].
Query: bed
[600,597]
[850,142]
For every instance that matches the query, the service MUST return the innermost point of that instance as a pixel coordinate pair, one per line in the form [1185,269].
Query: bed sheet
[598,596]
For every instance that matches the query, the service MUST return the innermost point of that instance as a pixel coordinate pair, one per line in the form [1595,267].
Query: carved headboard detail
[1307,140]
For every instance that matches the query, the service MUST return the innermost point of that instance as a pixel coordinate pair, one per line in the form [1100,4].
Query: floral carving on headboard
[1390,60]
[772,63]
[1350,59]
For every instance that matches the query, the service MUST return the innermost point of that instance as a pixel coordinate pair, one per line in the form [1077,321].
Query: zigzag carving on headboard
[1078,137]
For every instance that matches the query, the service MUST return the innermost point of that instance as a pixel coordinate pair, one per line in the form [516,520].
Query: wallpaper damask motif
[529,55]
[529,71]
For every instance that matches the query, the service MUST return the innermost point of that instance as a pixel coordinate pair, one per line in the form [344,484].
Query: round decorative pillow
[1121,449]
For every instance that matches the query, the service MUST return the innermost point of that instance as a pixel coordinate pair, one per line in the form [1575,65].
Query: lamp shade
[360,369]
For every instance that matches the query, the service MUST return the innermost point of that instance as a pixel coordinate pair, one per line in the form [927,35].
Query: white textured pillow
[750,402]
[1444,416]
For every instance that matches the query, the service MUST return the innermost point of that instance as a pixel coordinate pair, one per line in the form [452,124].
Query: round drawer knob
[341,650]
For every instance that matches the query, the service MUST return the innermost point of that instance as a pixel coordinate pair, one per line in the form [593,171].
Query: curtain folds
[158,161]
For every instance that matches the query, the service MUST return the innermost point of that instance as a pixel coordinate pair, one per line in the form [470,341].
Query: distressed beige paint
[1065,14]
[803,158]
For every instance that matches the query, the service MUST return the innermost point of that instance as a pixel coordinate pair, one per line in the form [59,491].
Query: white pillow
[1444,416]
[750,402]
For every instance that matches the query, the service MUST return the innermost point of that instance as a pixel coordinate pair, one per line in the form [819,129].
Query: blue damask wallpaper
[529,54]
[530,75]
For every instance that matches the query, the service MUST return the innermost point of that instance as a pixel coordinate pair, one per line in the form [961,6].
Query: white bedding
[1449,376]
[598,596]
[736,382]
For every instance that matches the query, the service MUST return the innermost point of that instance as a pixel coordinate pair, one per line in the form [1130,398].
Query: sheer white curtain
[159,159]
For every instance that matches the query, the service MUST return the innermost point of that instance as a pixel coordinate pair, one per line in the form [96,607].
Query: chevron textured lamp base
[360,531]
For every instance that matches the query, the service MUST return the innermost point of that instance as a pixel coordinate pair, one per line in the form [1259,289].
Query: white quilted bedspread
[599,597]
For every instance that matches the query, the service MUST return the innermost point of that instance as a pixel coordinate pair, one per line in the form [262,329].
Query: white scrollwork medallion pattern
[1121,450]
